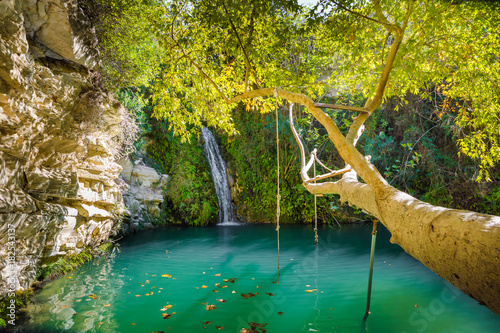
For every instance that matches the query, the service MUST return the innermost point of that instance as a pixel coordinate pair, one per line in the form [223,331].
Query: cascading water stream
[218,170]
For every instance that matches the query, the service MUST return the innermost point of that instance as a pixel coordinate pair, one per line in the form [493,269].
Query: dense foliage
[441,91]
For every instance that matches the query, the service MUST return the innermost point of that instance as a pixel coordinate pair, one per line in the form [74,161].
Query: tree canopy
[199,55]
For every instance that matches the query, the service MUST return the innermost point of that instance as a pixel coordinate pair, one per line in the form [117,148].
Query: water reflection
[79,303]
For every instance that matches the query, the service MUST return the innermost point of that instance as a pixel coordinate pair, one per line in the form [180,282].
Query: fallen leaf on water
[219,327]
[153,275]
[332,309]
[218,274]
[311,290]
[207,322]
[248,295]
[220,300]
[270,294]
[308,285]
[416,305]
[153,287]
[166,275]
[210,307]
[93,296]
[64,306]
[224,286]
[215,291]
[217,284]
[166,315]
[147,294]
[226,280]
[234,291]
[137,295]
[132,324]
[166,307]
[281,313]
[107,304]
[259,286]
[100,323]
[74,314]
[203,286]
[205,303]
[253,278]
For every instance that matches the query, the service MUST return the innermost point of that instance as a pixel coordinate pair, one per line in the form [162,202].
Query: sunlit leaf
[210,307]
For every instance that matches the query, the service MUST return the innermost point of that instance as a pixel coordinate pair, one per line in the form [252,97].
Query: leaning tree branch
[306,167]
[357,126]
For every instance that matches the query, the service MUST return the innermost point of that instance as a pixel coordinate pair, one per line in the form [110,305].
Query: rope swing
[278,196]
[315,211]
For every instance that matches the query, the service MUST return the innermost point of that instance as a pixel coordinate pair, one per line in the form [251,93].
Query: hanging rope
[370,274]
[315,210]
[278,196]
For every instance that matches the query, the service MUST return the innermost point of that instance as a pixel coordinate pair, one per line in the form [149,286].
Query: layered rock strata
[58,140]
[142,194]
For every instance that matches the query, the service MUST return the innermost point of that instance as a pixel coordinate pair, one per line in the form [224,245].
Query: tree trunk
[461,246]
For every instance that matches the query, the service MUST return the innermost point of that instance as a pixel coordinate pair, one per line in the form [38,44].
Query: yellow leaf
[311,290]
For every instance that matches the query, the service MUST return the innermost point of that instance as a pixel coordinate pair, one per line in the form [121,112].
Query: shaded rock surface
[58,143]
[143,193]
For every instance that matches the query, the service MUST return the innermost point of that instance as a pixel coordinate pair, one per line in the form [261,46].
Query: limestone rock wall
[57,140]
[142,193]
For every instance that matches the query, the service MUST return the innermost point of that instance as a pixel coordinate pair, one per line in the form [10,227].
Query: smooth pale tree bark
[461,246]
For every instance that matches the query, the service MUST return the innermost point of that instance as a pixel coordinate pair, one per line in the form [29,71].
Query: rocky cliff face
[58,140]
[142,193]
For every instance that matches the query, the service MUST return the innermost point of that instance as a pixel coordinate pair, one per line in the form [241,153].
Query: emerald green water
[336,270]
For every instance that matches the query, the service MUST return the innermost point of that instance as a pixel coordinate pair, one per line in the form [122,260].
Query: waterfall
[218,170]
